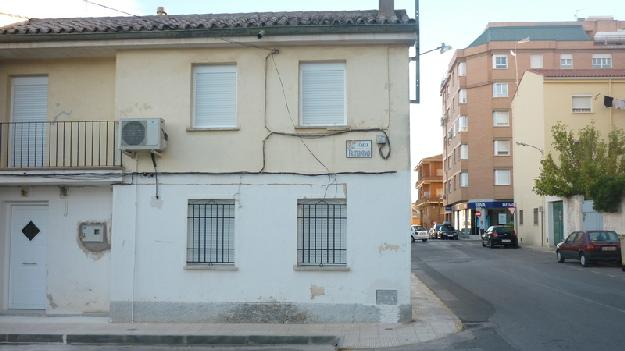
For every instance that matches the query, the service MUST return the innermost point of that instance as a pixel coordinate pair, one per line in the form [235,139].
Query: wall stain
[388,247]
[51,302]
[264,313]
[316,291]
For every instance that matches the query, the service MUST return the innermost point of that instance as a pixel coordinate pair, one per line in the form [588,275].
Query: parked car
[500,235]
[418,232]
[434,231]
[589,246]
[447,231]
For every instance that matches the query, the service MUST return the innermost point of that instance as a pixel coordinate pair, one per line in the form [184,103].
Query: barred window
[210,232]
[321,232]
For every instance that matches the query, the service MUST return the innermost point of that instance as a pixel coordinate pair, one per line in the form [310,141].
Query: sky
[454,22]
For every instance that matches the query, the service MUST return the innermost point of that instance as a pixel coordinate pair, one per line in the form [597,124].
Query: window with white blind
[464,179]
[464,152]
[581,104]
[210,232]
[214,96]
[500,61]
[500,89]
[502,147]
[502,177]
[566,61]
[29,112]
[602,61]
[321,232]
[536,61]
[322,94]
[501,119]
[462,96]
[462,69]
[463,124]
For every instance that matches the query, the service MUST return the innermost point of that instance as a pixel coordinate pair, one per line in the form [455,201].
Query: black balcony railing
[61,144]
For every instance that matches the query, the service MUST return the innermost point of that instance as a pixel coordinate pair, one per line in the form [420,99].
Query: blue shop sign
[492,204]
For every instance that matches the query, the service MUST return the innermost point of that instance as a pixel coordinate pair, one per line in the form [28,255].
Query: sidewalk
[432,320]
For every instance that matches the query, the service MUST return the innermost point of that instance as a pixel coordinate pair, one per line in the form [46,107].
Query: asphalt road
[522,299]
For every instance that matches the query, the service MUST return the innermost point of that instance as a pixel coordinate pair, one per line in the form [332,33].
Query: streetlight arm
[520,143]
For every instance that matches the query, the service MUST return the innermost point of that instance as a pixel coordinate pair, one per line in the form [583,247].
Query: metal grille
[321,233]
[210,237]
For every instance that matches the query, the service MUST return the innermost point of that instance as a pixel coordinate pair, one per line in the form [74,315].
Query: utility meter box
[93,232]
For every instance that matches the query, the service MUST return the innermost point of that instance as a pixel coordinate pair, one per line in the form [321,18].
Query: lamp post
[541,208]
[516,59]
[443,48]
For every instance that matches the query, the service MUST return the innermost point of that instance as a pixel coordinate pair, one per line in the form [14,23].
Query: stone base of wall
[257,313]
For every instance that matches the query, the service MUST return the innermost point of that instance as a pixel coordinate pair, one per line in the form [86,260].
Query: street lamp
[443,48]
[516,60]
[542,152]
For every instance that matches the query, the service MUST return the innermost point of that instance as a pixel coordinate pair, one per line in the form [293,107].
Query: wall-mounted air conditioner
[142,134]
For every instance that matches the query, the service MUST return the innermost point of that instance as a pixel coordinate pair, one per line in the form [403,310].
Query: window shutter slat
[215,96]
[322,94]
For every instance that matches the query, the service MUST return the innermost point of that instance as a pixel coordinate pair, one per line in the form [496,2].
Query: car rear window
[447,227]
[603,236]
[504,230]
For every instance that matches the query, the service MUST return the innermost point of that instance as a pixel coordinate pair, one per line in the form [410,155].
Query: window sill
[329,128]
[211,267]
[321,268]
[231,129]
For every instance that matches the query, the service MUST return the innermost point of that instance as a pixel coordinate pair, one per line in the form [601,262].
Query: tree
[586,165]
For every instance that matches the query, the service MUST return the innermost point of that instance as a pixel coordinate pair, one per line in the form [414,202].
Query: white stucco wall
[77,281]
[378,245]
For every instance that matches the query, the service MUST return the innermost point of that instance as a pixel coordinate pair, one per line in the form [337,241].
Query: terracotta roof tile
[581,73]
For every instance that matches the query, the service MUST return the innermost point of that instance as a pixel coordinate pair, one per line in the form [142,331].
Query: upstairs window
[500,61]
[464,179]
[462,69]
[500,89]
[501,119]
[502,147]
[536,61]
[502,177]
[581,104]
[566,61]
[464,152]
[463,124]
[601,61]
[462,96]
[214,96]
[322,94]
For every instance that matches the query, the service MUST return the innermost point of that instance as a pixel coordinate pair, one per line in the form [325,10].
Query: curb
[109,339]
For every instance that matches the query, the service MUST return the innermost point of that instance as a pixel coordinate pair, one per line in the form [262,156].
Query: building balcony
[429,200]
[59,152]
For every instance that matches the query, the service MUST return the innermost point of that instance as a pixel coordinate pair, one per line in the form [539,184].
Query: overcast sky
[455,22]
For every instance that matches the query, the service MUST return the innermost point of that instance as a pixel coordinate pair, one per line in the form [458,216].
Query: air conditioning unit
[142,134]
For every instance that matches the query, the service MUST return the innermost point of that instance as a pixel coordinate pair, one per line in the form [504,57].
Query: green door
[558,222]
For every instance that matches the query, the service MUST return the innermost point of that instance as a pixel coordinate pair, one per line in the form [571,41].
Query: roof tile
[580,73]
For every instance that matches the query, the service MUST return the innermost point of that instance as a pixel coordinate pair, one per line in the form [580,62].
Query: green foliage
[585,164]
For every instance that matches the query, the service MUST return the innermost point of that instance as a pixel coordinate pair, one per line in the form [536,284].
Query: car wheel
[490,244]
[424,240]
[483,245]
[560,257]
[411,239]
[584,260]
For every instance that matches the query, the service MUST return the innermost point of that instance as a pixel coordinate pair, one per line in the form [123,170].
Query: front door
[27,276]
[558,222]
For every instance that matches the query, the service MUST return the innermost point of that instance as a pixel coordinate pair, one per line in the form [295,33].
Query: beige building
[207,168]
[544,98]
[477,93]
[429,185]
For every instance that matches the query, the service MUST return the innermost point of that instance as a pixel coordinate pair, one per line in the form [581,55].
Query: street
[522,299]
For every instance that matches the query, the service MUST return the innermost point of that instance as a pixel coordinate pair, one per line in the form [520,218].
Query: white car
[418,232]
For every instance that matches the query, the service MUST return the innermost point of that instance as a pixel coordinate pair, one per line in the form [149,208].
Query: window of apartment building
[601,61]
[536,61]
[464,179]
[462,96]
[464,152]
[500,89]
[520,216]
[322,94]
[321,232]
[210,232]
[455,182]
[455,128]
[462,69]
[581,103]
[500,61]
[502,177]
[463,124]
[566,61]
[502,147]
[214,96]
[501,118]
[535,216]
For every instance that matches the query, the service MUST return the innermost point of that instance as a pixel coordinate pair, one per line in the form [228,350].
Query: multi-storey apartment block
[481,81]
[429,205]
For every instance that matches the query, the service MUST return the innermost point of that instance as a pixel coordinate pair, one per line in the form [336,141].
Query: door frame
[6,209]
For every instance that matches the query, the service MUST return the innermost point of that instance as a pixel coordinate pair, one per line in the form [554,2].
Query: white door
[27,279]
[29,112]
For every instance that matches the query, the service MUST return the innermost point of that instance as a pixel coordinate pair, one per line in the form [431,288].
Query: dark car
[500,235]
[447,231]
[589,246]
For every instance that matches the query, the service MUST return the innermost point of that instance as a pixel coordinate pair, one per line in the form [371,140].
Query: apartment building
[207,168]
[574,98]
[429,185]
[481,81]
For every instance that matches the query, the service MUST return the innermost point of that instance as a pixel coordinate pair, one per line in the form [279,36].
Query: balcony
[42,152]
[427,198]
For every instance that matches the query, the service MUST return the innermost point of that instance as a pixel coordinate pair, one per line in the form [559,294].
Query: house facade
[477,92]
[574,98]
[429,187]
[273,195]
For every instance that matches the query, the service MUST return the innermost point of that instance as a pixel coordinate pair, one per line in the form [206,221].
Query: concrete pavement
[432,320]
